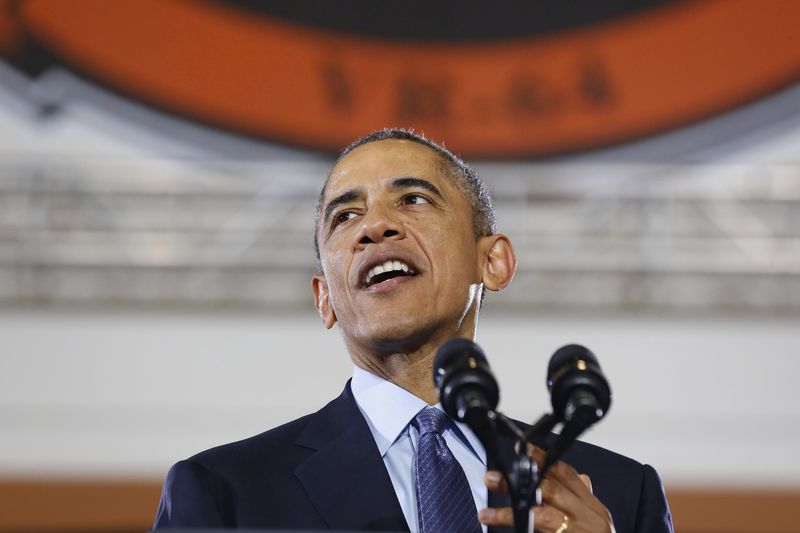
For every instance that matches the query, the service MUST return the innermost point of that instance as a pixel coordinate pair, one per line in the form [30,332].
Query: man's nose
[376,225]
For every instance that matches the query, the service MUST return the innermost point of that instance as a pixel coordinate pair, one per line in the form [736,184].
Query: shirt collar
[389,409]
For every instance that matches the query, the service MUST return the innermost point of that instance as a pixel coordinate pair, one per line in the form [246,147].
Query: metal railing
[174,233]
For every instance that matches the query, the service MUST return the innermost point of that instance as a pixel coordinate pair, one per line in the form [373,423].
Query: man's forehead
[381,161]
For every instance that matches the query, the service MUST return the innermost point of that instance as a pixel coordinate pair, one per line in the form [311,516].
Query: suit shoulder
[592,457]
[274,443]
[586,449]
[278,451]
[212,487]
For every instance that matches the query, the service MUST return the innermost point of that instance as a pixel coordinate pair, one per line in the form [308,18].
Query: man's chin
[397,336]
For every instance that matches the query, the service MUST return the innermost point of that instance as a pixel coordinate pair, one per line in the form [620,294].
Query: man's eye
[344,216]
[415,199]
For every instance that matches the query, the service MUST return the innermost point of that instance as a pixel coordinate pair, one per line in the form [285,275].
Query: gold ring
[564,525]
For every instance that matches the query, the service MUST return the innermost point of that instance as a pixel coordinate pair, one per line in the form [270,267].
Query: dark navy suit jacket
[324,471]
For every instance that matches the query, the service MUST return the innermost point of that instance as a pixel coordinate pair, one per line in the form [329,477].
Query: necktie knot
[430,420]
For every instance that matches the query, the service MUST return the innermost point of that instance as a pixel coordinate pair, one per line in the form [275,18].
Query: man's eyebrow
[410,183]
[347,196]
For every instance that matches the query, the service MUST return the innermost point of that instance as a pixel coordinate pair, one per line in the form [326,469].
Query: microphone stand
[522,475]
[522,478]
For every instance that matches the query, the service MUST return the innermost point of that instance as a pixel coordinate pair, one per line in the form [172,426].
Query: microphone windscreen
[569,354]
[455,350]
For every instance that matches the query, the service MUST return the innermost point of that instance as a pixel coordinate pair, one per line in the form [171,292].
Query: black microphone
[579,392]
[466,386]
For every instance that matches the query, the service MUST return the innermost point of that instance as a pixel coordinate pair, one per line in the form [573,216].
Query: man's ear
[500,261]
[322,300]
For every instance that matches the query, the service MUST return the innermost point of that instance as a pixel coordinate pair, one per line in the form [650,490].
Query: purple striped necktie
[444,499]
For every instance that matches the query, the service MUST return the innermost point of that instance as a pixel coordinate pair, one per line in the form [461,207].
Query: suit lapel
[346,479]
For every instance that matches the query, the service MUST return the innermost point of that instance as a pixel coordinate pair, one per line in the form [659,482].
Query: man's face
[389,205]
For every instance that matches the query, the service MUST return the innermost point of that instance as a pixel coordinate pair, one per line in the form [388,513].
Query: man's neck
[412,372]
[409,363]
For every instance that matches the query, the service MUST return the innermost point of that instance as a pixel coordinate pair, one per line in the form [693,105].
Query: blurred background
[159,167]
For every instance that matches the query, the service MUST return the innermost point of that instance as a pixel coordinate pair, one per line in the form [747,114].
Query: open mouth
[387,270]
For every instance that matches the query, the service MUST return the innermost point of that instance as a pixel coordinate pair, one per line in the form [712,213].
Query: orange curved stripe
[584,88]
[9,27]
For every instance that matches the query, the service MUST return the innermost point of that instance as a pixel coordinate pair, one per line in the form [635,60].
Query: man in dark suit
[407,246]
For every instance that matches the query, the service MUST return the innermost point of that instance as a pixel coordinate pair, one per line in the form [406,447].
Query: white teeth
[388,266]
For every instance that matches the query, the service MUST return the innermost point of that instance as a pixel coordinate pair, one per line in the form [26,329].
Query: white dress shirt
[389,410]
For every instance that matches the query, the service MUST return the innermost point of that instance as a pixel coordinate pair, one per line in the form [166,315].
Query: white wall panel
[707,400]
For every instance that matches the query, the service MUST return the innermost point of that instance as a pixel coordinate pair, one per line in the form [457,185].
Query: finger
[565,481]
[546,518]
[538,455]
[558,496]
[560,469]
[555,495]
[570,479]
[494,481]
[502,516]
[567,476]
